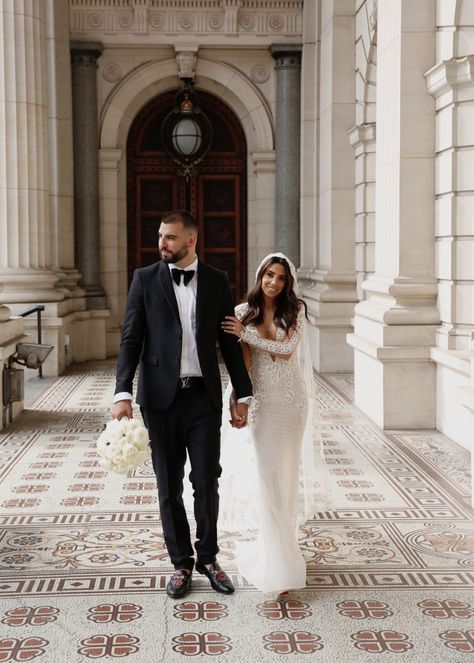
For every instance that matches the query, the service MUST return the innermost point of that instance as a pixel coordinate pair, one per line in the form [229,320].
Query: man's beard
[175,257]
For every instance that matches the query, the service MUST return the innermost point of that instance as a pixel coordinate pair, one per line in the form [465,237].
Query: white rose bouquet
[123,445]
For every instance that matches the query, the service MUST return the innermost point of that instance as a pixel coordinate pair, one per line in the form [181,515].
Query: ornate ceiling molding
[117,19]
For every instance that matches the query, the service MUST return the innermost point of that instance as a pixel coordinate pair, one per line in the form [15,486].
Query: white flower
[123,445]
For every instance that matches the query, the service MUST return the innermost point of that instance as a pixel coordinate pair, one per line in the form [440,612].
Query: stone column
[86,169]
[451,82]
[25,233]
[329,283]
[394,329]
[60,131]
[362,139]
[287,143]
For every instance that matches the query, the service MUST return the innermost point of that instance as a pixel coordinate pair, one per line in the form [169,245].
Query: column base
[29,285]
[330,299]
[394,386]
[95,297]
[394,331]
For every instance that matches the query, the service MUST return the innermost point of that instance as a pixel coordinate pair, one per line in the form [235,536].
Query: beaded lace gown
[277,417]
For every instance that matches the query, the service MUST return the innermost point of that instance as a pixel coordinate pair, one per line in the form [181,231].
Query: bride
[271,327]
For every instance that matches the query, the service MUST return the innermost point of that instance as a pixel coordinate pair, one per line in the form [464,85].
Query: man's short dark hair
[187,219]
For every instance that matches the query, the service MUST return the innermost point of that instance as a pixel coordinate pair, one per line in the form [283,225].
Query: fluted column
[60,131]
[362,139]
[25,233]
[287,143]
[394,329]
[86,169]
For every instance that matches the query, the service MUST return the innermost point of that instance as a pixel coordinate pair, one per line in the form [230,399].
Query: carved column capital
[287,56]
[85,52]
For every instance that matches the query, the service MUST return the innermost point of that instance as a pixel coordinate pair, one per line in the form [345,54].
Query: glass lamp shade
[186,137]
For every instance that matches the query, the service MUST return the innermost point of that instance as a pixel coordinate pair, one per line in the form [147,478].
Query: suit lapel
[202,292]
[167,285]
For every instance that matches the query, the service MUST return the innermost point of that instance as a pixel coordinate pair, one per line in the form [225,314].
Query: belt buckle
[185,383]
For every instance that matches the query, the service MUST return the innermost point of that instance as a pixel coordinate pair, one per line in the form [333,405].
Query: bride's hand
[231,325]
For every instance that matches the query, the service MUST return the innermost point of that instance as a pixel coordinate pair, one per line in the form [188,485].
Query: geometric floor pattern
[83,568]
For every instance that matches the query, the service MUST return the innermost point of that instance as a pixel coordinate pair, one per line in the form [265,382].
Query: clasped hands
[232,325]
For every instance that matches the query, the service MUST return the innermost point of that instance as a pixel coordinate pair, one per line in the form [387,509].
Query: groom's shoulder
[149,270]
[211,271]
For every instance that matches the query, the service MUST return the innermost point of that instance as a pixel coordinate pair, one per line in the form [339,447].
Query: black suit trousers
[189,426]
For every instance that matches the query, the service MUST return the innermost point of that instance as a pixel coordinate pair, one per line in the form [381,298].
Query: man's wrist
[245,400]
[122,396]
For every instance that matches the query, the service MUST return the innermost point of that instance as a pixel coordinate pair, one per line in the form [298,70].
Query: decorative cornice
[268,18]
[450,75]
[362,134]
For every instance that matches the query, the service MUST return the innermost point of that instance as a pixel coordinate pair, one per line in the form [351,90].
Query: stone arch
[131,94]
[154,78]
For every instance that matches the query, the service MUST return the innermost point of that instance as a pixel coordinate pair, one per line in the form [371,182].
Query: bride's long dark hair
[286,305]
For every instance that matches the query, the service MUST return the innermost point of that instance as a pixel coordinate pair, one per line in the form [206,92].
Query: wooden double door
[216,195]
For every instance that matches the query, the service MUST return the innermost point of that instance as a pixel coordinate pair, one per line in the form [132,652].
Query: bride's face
[273,280]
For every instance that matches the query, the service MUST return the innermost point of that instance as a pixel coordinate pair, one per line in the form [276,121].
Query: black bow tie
[186,273]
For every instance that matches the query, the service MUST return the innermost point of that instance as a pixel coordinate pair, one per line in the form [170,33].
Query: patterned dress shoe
[179,584]
[220,581]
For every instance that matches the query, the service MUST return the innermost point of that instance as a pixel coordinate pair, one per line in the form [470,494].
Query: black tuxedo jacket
[152,335]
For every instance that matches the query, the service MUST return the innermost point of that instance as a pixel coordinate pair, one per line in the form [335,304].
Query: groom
[174,312]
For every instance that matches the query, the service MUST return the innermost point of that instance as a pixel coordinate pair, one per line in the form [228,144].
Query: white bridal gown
[277,417]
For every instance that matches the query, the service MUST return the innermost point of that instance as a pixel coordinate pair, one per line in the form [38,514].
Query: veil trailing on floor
[238,489]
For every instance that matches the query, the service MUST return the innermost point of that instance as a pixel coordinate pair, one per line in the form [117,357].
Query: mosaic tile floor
[83,567]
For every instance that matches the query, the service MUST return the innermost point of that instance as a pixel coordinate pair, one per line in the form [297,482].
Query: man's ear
[192,239]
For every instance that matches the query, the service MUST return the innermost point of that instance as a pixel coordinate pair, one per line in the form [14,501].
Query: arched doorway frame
[120,109]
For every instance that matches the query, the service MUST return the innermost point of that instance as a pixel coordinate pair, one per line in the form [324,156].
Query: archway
[216,195]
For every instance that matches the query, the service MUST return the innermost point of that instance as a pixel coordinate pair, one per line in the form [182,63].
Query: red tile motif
[375,642]
[98,474]
[33,616]
[354,484]
[193,644]
[138,499]
[12,649]
[446,609]
[364,609]
[193,611]
[298,642]
[31,488]
[276,610]
[112,612]
[116,646]
[21,503]
[39,476]
[86,487]
[365,497]
[462,641]
[140,485]
[45,466]
[80,501]
[346,472]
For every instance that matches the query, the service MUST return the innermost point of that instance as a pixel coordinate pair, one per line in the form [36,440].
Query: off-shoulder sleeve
[275,347]
[241,310]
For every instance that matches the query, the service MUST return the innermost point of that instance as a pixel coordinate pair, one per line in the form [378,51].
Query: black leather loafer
[219,580]
[179,584]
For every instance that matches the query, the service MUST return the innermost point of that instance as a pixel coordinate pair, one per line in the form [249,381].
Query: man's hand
[122,409]
[238,413]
